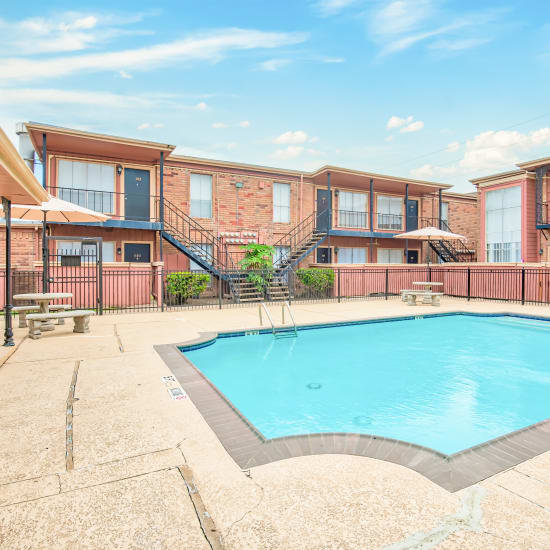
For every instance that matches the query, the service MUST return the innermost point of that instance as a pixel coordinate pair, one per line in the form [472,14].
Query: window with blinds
[281,202]
[201,196]
[503,224]
[352,209]
[389,212]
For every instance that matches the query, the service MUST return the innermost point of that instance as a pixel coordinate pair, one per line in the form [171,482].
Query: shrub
[258,260]
[319,280]
[184,285]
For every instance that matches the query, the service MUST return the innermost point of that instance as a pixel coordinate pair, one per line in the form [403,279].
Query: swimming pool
[444,382]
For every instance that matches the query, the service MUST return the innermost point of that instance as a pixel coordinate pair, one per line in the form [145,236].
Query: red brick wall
[25,246]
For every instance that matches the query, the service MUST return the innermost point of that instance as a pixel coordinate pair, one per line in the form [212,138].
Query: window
[445,216]
[390,212]
[281,202]
[503,224]
[352,256]
[78,248]
[201,196]
[137,252]
[88,184]
[352,209]
[280,253]
[390,256]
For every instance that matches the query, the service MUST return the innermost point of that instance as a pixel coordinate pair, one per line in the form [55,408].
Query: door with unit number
[136,195]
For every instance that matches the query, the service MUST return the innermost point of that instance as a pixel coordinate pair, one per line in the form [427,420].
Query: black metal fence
[125,290]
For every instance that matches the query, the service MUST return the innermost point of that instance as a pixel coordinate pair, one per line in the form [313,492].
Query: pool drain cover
[314,386]
[362,420]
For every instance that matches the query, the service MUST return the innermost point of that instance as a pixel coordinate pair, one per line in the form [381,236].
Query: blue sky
[432,89]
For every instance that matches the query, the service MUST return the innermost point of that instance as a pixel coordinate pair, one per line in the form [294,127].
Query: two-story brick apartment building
[198,213]
[514,214]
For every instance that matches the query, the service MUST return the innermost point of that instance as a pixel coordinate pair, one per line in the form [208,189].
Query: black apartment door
[136,194]
[322,210]
[324,255]
[412,215]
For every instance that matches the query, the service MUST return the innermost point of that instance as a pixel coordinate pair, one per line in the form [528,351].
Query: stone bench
[404,294]
[81,319]
[23,310]
[428,297]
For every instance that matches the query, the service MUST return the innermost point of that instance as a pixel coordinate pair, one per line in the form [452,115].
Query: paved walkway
[94,453]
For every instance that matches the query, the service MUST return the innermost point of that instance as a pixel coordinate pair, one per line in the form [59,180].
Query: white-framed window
[389,212]
[201,196]
[348,255]
[503,224]
[352,209]
[77,248]
[88,184]
[281,202]
[389,256]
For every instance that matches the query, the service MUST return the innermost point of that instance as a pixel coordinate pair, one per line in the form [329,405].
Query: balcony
[351,219]
[389,221]
[118,206]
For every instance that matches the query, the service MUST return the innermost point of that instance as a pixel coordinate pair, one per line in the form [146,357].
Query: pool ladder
[285,331]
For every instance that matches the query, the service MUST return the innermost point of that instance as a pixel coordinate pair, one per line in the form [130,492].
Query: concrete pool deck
[116,462]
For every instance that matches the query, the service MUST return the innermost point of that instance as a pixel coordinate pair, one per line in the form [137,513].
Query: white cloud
[333,60]
[274,64]
[412,127]
[313,139]
[290,152]
[453,147]
[397,122]
[124,74]
[314,152]
[63,32]
[400,24]
[219,125]
[201,106]
[244,124]
[143,126]
[212,46]
[326,8]
[299,136]
[52,96]
[490,151]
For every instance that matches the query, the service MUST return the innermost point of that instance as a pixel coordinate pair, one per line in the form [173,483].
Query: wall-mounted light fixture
[337,192]
[239,185]
[119,169]
[119,251]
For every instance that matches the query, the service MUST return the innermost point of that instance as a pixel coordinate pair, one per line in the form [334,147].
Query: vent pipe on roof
[26,150]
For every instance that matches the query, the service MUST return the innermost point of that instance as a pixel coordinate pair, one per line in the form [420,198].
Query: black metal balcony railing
[390,221]
[351,218]
[125,206]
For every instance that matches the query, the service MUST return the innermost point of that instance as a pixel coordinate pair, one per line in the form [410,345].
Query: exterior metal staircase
[448,251]
[301,240]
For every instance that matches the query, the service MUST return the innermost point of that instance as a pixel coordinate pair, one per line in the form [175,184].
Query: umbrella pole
[44,255]
[8,330]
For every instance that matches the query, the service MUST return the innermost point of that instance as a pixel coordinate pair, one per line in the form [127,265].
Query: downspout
[8,331]
[329,217]
[161,203]
[440,209]
[406,222]
[44,161]
[301,196]
[371,206]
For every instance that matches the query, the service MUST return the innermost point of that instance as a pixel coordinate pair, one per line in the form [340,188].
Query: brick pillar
[157,281]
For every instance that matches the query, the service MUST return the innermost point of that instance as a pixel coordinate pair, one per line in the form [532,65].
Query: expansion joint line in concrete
[69,462]
[206,522]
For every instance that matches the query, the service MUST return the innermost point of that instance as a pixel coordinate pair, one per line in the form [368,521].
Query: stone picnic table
[43,300]
[427,284]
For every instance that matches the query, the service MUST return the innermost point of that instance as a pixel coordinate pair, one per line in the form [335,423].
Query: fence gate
[75,265]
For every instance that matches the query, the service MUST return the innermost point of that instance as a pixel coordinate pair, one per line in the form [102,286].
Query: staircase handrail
[299,234]
[218,246]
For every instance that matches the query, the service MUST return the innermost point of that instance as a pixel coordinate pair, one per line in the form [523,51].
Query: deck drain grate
[314,386]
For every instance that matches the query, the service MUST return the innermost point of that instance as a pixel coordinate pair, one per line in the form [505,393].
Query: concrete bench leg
[22,319]
[61,321]
[82,324]
[427,299]
[411,299]
[436,300]
[34,329]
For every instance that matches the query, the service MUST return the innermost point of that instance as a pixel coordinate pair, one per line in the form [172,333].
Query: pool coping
[249,448]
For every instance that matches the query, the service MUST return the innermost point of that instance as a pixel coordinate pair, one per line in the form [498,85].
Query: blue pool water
[445,382]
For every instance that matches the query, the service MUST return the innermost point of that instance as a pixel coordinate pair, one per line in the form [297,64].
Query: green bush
[319,280]
[258,260]
[184,285]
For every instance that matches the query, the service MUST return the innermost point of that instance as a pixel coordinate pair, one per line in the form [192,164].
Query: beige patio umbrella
[54,210]
[430,234]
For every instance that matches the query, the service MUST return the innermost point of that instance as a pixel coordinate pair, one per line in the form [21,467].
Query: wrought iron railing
[456,249]
[111,203]
[199,240]
[389,221]
[351,218]
[301,236]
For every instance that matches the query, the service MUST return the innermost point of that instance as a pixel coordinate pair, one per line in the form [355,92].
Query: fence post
[522,286]
[339,272]
[387,281]
[220,291]
[469,284]
[429,274]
